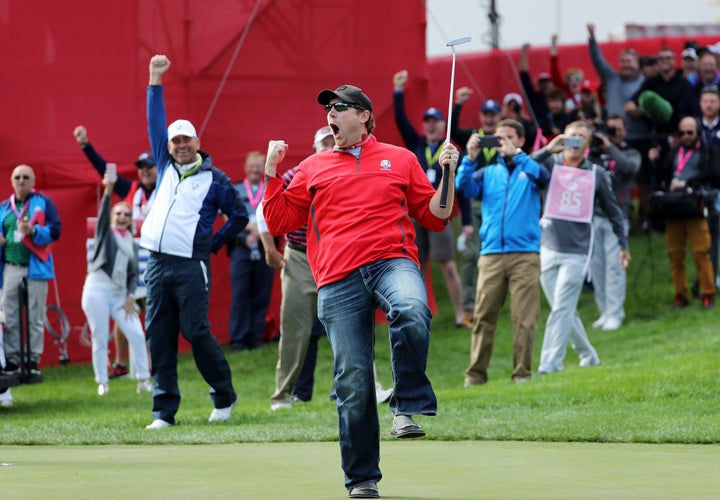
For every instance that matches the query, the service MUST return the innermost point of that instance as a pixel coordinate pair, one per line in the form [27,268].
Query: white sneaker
[612,324]
[144,386]
[221,414]
[6,400]
[103,389]
[280,406]
[588,362]
[158,424]
[600,322]
[383,395]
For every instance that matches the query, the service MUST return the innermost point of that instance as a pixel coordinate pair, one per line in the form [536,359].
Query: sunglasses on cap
[341,106]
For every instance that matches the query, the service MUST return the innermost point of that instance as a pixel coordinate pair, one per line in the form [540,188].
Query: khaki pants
[297,315]
[677,233]
[518,273]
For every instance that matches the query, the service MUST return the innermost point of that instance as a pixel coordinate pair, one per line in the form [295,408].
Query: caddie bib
[571,194]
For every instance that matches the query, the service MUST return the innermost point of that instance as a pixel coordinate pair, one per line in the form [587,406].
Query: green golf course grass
[644,424]
[417,469]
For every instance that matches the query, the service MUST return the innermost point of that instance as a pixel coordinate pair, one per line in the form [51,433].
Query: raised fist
[400,79]
[462,94]
[80,134]
[159,64]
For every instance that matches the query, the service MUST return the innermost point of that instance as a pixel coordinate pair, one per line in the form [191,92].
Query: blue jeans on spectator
[347,310]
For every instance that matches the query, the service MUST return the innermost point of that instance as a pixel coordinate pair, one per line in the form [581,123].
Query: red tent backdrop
[85,62]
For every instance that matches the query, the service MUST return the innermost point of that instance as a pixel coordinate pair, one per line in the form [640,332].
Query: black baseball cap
[346,93]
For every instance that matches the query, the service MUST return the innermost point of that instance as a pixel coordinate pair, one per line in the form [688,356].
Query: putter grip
[444,186]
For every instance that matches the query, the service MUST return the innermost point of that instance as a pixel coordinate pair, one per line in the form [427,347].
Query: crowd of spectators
[654,135]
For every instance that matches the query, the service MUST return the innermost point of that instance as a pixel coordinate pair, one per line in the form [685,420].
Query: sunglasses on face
[123,214]
[23,177]
[340,106]
[686,132]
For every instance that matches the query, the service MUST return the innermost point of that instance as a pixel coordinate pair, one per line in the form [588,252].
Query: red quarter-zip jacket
[358,209]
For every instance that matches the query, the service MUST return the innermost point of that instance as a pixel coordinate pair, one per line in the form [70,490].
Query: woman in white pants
[109,287]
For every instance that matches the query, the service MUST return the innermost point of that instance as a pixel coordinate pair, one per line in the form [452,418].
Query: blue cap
[434,113]
[145,159]
[491,106]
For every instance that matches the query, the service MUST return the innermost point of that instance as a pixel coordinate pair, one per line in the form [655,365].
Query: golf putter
[446,167]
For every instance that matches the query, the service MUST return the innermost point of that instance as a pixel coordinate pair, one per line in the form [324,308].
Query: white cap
[322,134]
[690,53]
[181,127]
[512,96]
[715,49]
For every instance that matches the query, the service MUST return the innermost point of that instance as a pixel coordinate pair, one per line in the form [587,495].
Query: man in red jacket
[359,201]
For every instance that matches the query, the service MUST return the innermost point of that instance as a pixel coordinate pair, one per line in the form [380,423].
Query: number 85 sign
[571,194]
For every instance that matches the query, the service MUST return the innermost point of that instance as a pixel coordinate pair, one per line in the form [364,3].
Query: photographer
[509,261]
[609,150]
[688,175]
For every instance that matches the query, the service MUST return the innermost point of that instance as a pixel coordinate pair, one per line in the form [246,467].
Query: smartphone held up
[111,170]
[573,142]
[489,141]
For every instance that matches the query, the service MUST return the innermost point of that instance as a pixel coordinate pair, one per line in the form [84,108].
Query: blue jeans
[347,310]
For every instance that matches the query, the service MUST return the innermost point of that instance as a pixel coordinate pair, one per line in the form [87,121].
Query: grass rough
[659,382]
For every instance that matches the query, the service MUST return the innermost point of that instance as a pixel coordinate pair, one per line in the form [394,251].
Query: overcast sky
[534,21]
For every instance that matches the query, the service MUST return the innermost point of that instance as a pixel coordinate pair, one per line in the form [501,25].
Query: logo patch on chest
[385,165]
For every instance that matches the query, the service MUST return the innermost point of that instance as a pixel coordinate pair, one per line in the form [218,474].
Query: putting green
[413,469]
